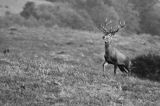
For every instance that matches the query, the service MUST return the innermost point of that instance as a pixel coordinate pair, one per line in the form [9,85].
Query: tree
[29,10]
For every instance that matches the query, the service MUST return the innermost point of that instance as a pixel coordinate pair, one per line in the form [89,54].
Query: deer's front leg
[103,65]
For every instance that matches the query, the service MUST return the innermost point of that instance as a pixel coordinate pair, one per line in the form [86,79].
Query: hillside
[56,66]
[140,16]
[16,6]
[51,53]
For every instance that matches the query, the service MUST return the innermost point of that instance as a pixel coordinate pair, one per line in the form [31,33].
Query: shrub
[147,66]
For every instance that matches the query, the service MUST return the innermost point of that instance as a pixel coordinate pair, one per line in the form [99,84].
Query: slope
[56,66]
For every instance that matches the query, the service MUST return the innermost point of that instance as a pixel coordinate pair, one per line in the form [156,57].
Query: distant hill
[16,6]
[84,14]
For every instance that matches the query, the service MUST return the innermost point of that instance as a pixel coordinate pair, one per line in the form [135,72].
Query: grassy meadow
[63,67]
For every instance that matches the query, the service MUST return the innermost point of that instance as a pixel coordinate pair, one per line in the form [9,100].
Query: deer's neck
[107,45]
[107,48]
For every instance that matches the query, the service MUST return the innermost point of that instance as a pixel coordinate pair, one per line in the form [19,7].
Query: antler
[103,27]
[119,26]
[111,30]
[107,22]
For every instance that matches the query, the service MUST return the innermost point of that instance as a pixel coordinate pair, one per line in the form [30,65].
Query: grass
[63,67]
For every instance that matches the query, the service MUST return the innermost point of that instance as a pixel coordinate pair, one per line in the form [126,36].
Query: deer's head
[111,31]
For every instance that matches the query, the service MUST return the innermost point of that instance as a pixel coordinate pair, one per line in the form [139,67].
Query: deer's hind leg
[128,67]
[122,68]
[129,70]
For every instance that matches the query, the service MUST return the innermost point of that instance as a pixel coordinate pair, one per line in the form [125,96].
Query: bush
[147,66]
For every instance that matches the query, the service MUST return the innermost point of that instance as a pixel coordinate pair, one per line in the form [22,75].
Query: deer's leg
[103,65]
[115,68]
[128,68]
[122,68]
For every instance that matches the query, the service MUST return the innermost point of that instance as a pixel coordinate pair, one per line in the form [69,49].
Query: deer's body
[115,57]
[112,55]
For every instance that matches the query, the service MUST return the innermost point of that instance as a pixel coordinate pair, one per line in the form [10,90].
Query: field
[63,67]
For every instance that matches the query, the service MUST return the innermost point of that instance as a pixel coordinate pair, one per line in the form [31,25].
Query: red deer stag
[112,55]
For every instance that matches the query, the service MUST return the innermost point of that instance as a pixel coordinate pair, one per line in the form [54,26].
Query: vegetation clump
[147,66]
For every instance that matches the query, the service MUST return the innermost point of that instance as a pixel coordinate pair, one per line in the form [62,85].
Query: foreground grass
[62,67]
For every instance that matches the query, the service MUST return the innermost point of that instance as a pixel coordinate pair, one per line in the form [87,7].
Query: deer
[113,55]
